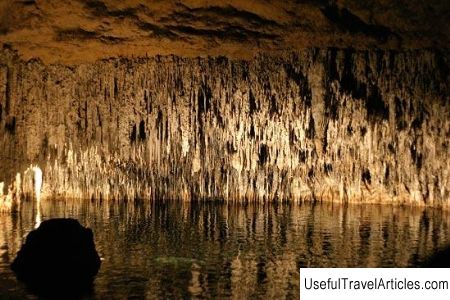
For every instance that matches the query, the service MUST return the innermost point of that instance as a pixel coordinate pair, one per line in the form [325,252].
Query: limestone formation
[325,124]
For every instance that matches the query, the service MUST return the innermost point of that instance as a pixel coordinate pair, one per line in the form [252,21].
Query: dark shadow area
[229,32]
[75,34]
[351,23]
[58,260]
[440,259]
[218,16]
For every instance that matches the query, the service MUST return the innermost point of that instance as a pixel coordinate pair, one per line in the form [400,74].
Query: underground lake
[217,250]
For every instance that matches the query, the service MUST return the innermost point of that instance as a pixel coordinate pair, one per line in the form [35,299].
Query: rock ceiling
[77,31]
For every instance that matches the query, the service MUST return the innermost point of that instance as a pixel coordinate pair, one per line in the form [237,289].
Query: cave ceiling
[78,31]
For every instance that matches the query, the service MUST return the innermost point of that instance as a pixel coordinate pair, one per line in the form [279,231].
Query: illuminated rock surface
[342,125]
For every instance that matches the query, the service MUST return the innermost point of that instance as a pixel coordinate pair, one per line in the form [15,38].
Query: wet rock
[57,257]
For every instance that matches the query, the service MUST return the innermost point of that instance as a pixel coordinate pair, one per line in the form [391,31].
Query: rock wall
[326,124]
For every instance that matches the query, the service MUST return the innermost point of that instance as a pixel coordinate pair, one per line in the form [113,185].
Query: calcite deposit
[328,124]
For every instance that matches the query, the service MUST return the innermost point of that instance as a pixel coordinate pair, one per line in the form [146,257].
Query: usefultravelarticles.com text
[374,284]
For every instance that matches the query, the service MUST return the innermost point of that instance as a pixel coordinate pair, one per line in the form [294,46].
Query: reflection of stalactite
[11,201]
[330,124]
[235,250]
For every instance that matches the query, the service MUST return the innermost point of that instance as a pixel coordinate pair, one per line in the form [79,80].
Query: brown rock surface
[77,31]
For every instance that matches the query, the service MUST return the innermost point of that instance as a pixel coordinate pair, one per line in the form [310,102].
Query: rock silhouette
[440,259]
[59,256]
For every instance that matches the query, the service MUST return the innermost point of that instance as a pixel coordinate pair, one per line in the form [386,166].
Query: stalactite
[330,124]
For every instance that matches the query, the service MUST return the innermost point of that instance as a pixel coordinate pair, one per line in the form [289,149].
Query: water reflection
[179,250]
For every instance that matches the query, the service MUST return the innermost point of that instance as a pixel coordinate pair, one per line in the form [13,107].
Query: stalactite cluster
[320,124]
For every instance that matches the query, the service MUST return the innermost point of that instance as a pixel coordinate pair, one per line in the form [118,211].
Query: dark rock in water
[439,260]
[57,257]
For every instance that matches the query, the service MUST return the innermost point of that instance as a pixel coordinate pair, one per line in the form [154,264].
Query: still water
[216,250]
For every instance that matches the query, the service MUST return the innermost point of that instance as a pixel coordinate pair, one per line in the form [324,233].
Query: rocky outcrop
[59,256]
[82,31]
[328,124]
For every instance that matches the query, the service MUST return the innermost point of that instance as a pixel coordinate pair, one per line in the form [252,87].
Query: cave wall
[327,124]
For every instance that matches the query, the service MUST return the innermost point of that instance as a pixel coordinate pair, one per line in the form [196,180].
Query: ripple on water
[179,250]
